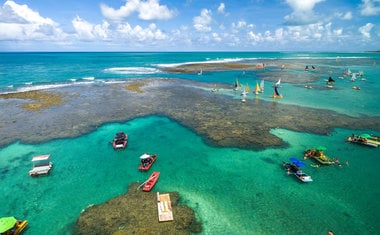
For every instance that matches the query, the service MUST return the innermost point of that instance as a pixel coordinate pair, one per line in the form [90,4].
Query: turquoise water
[232,191]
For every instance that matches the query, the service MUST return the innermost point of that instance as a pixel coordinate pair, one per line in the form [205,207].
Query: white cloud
[83,28]
[87,32]
[370,7]
[302,12]
[19,22]
[366,30]
[216,37]
[202,22]
[140,34]
[344,16]
[147,10]
[221,8]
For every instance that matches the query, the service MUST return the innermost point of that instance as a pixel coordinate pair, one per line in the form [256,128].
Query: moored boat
[364,139]
[41,165]
[146,161]
[120,141]
[318,155]
[151,181]
[294,168]
[12,226]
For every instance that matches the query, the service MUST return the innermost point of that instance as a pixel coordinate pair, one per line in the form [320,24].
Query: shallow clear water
[232,191]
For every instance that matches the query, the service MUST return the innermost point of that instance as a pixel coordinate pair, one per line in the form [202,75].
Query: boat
[12,226]
[262,86]
[164,207]
[318,155]
[257,89]
[146,161]
[278,83]
[294,169]
[246,90]
[276,94]
[245,93]
[214,88]
[364,139]
[151,181]
[236,85]
[330,81]
[41,165]
[356,88]
[120,141]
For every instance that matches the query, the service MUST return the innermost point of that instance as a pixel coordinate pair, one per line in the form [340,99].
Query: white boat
[41,165]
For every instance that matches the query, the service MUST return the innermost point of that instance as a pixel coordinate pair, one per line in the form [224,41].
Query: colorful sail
[262,86]
[276,94]
[246,88]
[257,89]
[236,85]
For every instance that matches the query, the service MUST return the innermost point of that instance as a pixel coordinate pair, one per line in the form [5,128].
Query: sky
[190,25]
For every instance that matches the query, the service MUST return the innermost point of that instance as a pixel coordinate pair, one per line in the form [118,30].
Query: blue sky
[189,25]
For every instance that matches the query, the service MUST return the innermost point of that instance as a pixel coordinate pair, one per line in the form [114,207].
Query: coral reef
[217,117]
[136,213]
[37,100]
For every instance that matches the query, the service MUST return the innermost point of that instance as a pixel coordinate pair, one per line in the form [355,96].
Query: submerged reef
[36,100]
[136,213]
[219,117]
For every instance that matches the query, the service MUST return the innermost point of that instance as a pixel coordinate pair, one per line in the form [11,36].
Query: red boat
[146,161]
[149,184]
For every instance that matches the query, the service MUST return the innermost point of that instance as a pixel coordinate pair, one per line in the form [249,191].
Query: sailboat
[276,94]
[257,89]
[262,86]
[236,85]
[277,84]
[245,93]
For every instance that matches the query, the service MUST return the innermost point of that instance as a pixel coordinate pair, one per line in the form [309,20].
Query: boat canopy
[365,136]
[7,223]
[320,148]
[297,162]
[40,158]
[145,156]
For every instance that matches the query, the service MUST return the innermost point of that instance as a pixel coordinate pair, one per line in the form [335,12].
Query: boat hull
[20,227]
[148,186]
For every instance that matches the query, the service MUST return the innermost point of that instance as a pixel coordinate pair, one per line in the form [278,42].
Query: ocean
[232,190]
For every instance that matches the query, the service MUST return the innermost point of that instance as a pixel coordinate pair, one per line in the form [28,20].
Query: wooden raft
[164,206]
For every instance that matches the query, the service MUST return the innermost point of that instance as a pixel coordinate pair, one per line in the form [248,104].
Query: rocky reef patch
[219,117]
[136,213]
